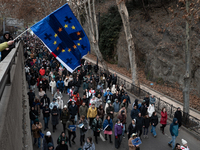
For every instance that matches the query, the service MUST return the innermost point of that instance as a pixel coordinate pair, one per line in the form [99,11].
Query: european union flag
[64,37]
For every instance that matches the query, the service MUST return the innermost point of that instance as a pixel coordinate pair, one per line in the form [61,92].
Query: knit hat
[50,145]
[184,141]
[54,99]
[36,120]
[65,106]
[48,133]
[116,99]
[108,101]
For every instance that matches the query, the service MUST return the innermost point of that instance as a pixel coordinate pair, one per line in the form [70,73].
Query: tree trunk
[131,48]
[186,89]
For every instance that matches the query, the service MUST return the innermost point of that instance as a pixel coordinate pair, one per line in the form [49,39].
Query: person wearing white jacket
[52,84]
[60,104]
[184,147]
[113,89]
[151,109]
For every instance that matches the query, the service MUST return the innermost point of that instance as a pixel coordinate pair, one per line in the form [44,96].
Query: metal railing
[191,123]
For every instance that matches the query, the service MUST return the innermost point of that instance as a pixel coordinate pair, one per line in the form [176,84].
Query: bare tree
[131,48]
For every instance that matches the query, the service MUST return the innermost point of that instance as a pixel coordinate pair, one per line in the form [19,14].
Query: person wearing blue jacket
[125,96]
[60,85]
[174,128]
[107,127]
[116,107]
[107,95]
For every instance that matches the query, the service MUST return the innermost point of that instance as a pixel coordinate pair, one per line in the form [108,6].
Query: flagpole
[21,34]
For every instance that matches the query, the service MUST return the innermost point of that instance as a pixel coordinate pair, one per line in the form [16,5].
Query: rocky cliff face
[161,41]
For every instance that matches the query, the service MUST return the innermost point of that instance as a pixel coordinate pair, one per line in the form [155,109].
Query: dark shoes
[170,145]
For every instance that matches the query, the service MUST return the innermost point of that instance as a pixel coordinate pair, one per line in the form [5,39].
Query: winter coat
[184,148]
[58,94]
[107,95]
[127,99]
[101,113]
[54,118]
[60,84]
[150,110]
[178,115]
[108,111]
[174,128]
[69,122]
[130,145]
[46,112]
[85,123]
[152,100]
[36,130]
[154,120]
[118,129]
[45,100]
[52,104]
[88,146]
[52,84]
[98,102]
[3,46]
[83,110]
[134,113]
[146,122]
[92,113]
[139,121]
[97,124]
[62,147]
[60,104]
[143,110]
[131,129]
[45,144]
[73,110]
[122,119]
[147,101]
[163,119]
[116,107]
[64,116]
[109,123]
[33,114]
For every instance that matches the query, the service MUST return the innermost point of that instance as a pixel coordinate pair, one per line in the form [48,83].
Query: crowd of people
[103,108]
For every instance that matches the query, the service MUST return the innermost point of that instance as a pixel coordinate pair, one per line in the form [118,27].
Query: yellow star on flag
[55,35]
[66,26]
[80,39]
[78,44]
[54,42]
[73,27]
[69,50]
[63,50]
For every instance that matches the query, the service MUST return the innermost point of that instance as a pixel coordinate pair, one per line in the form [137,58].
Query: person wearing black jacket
[33,114]
[31,97]
[46,115]
[77,83]
[146,123]
[132,128]
[178,115]
[143,108]
[110,110]
[146,98]
[154,123]
[33,82]
[44,100]
[73,110]
[139,121]
[6,37]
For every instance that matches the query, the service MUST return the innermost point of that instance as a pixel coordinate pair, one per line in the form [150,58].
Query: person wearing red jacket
[76,95]
[163,119]
[42,71]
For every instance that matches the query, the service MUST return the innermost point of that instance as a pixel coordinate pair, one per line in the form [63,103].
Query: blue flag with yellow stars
[64,36]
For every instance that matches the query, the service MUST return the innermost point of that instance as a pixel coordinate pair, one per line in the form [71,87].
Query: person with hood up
[150,110]
[50,146]
[184,147]
[83,130]
[6,38]
[154,123]
[118,133]
[52,85]
[46,115]
[174,129]
[71,132]
[89,144]
[52,104]
[46,140]
[132,128]
[107,127]
[116,107]
[54,117]
[178,115]
[36,128]
[61,138]
[62,146]
[122,118]
[45,100]
[64,117]
[107,95]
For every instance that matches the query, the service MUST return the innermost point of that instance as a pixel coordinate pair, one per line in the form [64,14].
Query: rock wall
[161,40]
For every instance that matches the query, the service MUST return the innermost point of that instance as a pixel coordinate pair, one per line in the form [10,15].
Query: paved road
[147,144]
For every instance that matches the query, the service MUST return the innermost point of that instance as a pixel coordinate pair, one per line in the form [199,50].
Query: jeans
[118,141]
[123,130]
[70,134]
[173,141]
[146,131]
[46,121]
[153,130]
[35,140]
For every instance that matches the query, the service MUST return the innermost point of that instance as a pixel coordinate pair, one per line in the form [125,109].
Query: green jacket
[94,124]
[64,116]
[3,46]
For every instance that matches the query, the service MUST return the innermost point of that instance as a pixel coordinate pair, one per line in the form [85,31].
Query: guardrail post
[158,103]
[171,111]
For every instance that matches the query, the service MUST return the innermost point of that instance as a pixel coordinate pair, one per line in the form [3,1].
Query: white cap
[65,106]
[184,141]
[134,134]
[108,89]
[48,133]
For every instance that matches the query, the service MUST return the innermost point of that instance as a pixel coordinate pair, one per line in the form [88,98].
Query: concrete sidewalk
[165,98]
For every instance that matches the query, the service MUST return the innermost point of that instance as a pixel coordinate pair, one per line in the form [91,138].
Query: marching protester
[97,127]
[107,127]
[174,129]
[89,144]
[64,117]
[163,120]
[46,140]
